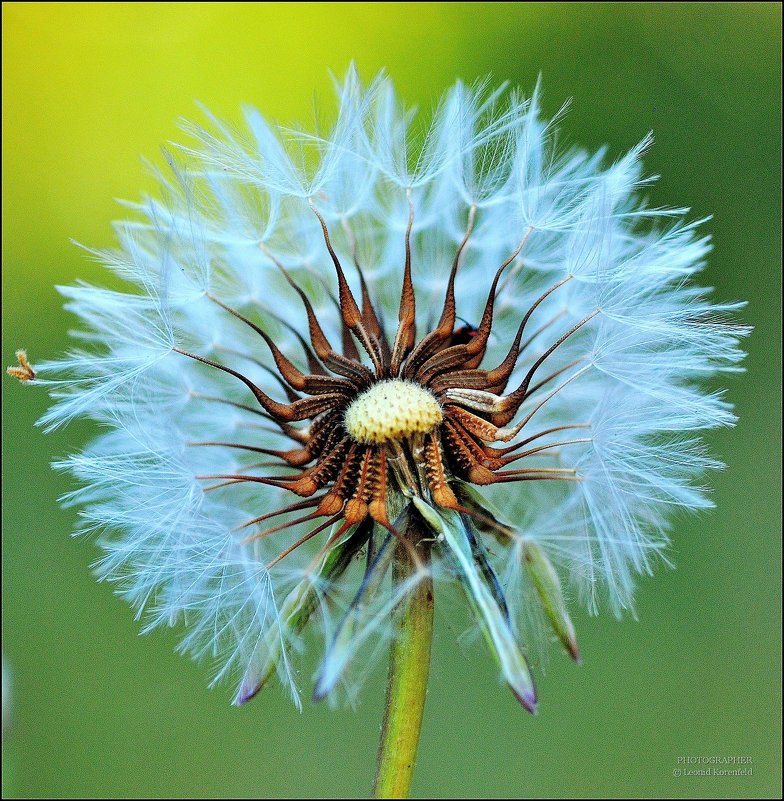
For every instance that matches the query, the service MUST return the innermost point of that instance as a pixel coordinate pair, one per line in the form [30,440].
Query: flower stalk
[409,666]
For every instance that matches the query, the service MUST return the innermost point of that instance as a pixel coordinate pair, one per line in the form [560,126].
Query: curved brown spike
[466,379]
[372,326]
[282,411]
[470,354]
[480,379]
[302,409]
[251,409]
[371,320]
[508,434]
[291,395]
[500,375]
[348,368]
[448,314]
[294,507]
[318,339]
[301,540]
[450,358]
[462,458]
[478,343]
[508,406]
[443,331]
[312,384]
[465,452]
[297,485]
[349,310]
[484,455]
[529,471]
[406,331]
[508,479]
[539,434]
[297,457]
[553,375]
[349,347]
[283,526]
[308,408]
[320,384]
[348,306]
[314,365]
[481,454]
[505,460]
[305,483]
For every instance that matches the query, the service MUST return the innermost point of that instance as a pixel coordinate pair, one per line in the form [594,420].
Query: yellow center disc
[391,410]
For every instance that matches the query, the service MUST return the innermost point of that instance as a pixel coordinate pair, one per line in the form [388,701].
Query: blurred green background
[97,710]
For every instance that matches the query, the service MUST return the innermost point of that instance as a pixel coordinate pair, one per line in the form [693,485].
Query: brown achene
[348,481]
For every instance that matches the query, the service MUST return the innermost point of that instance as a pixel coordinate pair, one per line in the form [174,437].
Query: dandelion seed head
[331,336]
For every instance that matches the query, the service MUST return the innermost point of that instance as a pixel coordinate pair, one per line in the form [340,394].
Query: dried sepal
[483,598]
[548,588]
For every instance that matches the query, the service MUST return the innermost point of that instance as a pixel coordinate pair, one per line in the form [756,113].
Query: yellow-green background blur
[100,711]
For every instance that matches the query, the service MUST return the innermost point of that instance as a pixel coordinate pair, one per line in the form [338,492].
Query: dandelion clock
[359,374]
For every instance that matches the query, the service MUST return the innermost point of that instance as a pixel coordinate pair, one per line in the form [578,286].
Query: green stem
[409,665]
